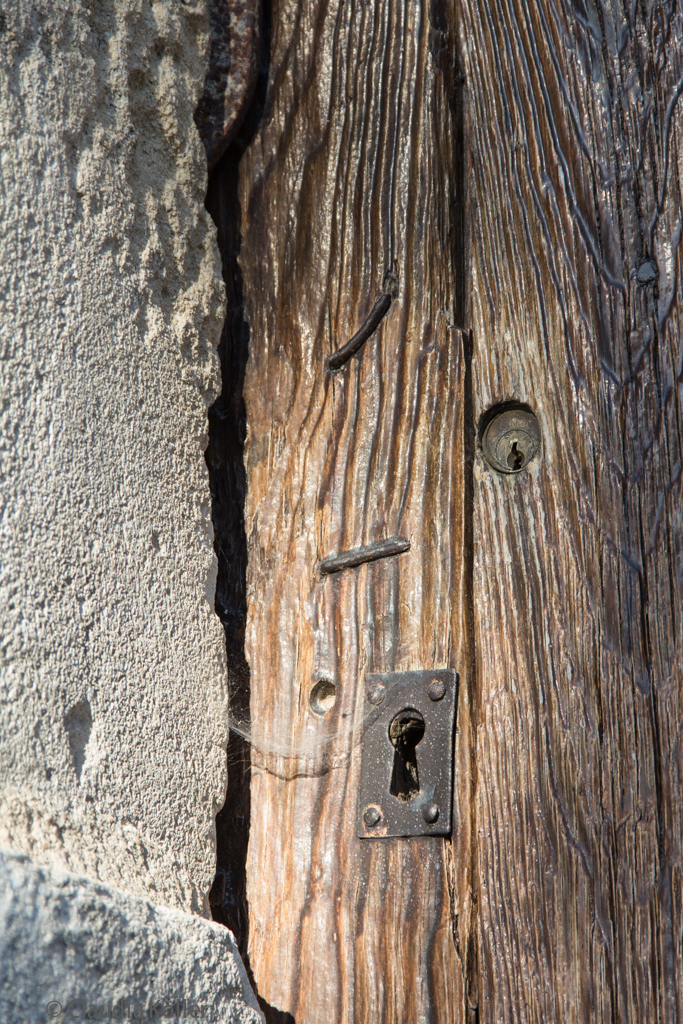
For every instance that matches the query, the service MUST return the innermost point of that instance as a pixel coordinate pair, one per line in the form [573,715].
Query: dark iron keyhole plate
[428,813]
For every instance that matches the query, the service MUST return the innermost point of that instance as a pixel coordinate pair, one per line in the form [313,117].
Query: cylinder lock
[511,439]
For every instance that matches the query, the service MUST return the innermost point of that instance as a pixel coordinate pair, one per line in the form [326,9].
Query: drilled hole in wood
[405,732]
[323,696]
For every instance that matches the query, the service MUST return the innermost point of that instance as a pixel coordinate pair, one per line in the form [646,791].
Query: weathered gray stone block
[113,684]
[74,949]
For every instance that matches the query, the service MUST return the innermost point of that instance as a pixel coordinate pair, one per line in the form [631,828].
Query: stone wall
[112,675]
[72,949]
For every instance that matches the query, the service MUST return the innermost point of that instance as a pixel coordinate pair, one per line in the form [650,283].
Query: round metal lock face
[511,439]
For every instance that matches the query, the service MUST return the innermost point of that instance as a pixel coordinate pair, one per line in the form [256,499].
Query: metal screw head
[511,439]
[437,690]
[376,692]
[372,816]
[430,813]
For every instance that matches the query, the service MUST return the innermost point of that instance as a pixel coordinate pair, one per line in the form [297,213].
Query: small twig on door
[368,553]
[377,314]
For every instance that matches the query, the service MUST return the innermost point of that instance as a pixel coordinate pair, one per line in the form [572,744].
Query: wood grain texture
[349,191]
[575,160]
[559,897]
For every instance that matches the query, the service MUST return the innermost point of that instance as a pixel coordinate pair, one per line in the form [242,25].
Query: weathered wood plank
[351,189]
[575,163]
[348,192]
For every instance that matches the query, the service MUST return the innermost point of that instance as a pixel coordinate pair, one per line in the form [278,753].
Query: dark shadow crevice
[225,462]
[224,458]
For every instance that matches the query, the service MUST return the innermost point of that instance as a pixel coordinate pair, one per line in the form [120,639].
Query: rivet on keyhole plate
[510,437]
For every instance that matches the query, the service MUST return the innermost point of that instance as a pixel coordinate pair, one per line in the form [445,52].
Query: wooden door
[574,134]
[492,189]
[344,200]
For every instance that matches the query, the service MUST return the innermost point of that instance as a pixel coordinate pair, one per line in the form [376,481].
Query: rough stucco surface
[73,949]
[112,677]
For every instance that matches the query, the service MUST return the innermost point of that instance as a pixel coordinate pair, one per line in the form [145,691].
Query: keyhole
[405,732]
[515,458]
